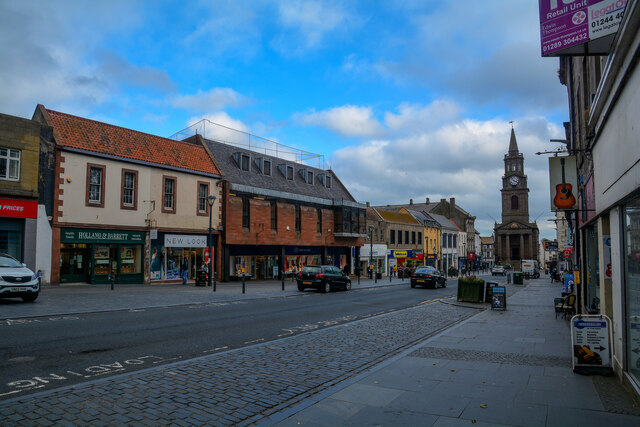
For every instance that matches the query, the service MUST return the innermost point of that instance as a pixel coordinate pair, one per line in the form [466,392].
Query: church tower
[515,238]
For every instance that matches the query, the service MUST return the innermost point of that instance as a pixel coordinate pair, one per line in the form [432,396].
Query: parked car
[16,280]
[428,276]
[498,270]
[323,277]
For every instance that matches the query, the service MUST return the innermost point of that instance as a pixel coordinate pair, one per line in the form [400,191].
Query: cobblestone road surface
[239,387]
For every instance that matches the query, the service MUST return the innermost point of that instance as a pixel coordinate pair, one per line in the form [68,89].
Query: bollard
[508,278]
[390,277]
[244,280]
[282,276]
[215,275]
[375,277]
[111,279]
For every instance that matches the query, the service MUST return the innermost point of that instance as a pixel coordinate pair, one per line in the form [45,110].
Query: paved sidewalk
[508,367]
[84,298]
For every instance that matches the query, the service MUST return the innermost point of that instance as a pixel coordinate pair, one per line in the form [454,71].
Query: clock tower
[515,238]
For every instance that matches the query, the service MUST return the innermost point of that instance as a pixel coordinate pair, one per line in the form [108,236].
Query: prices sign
[18,208]
[579,27]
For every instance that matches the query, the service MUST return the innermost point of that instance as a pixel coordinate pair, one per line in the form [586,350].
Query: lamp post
[464,251]
[211,199]
[371,251]
[435,257]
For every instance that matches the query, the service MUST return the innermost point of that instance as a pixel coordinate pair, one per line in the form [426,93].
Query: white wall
[43,245]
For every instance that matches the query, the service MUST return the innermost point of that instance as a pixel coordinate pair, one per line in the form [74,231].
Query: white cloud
[221,127]
[347,120]
[213,99]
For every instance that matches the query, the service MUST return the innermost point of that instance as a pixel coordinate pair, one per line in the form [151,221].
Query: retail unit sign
[184,241]
[400,254]
[81,235]
[591,342]
[18,208]
[579,27]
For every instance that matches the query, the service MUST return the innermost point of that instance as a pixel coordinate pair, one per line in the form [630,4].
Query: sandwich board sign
[499,298]
[591,344]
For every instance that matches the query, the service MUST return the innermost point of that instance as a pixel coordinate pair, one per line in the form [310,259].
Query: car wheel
[327,288]
[444,284]
[413,285]
[300,288]
[347,286]
[30,298]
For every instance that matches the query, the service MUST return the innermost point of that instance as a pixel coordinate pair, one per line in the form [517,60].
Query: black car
[428,276]
[323,277]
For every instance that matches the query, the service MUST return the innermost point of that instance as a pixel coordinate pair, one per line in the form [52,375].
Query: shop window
[9,164]
[274,215]
[130,259]
[169,191]
[245,212]
[203,193]
[101,260]
[129,192]
[631,265]
[95,185]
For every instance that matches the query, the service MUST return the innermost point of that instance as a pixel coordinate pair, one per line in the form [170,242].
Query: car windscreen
[6,262]
[311,269]
[425,270]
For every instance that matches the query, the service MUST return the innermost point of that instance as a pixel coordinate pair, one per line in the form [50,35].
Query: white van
[530,267]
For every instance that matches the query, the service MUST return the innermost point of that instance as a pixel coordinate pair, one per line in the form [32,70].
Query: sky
[404,100]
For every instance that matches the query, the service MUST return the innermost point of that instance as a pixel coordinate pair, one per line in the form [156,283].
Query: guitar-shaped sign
[564,198]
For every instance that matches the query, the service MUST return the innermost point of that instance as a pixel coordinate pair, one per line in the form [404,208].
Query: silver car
[16,280]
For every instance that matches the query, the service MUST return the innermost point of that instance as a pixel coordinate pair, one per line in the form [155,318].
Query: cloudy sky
[405,100]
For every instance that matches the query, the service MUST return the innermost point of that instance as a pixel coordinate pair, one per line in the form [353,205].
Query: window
[129,193]
[514,202]
[290,173]
[450,240]
[399,237]
[328,181]
[319,221]
[95,185]
[392,237]
[244,162]
[309,177]
[266,167]
[413,237]
[406,237]
[274,215]
[203,193]
[245,212]
[455,241]
[298,219]
[9,164]
[420,237]
[169,194]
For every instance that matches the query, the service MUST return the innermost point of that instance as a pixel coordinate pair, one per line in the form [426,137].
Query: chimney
[410,201]
[452,202]
[427,200]
[368,204]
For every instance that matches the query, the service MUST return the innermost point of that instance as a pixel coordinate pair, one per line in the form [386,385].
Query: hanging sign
[591,343]
[563,183]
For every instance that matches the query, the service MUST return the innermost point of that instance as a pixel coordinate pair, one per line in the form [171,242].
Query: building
[515,238]
[125,205]
[404,237]
[604,100]
[23,221]
[278,213]
[487,251]
[432,235]
[448,242]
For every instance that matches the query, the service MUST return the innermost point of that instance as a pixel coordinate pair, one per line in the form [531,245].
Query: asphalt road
[43,353]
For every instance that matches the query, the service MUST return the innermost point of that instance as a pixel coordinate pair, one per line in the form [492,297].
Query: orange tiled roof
[91,135]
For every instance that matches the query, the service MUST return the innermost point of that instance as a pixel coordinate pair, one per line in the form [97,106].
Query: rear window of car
[312,269]
[425,270]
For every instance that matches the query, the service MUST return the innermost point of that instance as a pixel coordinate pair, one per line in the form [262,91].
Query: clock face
[514,180]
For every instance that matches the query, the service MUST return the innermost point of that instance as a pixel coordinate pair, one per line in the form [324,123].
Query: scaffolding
[226,135]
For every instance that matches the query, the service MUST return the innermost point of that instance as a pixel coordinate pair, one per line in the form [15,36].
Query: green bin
[517,278]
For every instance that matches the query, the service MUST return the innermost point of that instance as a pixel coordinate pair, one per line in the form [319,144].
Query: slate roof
[426,207]
[486,240]
[277,182]
[424,218]
[445,222]
[117,142]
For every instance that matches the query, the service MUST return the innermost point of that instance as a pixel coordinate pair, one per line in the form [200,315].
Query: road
[38,354]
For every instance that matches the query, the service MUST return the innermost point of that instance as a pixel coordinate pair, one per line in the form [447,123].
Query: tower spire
[513,145]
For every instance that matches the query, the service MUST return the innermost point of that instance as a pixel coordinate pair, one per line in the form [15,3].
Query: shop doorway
[75,262]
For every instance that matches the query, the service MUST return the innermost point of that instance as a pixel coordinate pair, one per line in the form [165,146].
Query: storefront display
[169,251]
[632,279]
[97,256]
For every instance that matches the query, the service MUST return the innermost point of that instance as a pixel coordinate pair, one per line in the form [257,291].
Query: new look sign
[184,241]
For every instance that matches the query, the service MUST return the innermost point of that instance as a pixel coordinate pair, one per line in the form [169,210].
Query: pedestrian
[395,270]
[184,270]
[294,272]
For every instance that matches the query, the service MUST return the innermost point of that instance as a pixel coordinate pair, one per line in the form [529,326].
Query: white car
[16,280]
[498,270]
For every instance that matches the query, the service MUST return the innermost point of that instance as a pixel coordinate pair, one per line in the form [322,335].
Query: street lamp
[210,199]
[371,251]
[435,257]
[464,250]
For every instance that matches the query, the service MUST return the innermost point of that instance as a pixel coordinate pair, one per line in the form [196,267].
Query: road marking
[254,341]
[215,349]
[14,322]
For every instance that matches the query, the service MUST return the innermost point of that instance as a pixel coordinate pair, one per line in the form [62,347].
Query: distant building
[487,251]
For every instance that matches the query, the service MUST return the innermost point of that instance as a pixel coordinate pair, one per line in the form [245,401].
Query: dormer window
[286,171]
[325,179]
[242,160]
[306,175]
[263,165]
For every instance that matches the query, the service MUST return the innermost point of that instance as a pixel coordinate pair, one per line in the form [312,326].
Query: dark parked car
[428,276]
[323,277]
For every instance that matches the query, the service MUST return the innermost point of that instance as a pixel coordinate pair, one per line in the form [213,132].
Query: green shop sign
[87,235]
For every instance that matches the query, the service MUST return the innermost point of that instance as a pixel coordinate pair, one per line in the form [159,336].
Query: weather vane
[511,121]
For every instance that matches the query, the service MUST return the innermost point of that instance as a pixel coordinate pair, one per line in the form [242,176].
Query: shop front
[257,261]
[17,220]
[301,256]
[169,251]
[91,255]
[376,254]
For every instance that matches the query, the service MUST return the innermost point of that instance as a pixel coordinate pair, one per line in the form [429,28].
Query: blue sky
[405,100]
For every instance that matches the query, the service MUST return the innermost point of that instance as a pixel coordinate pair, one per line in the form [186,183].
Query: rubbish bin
[378,276]
[201,278]
[517,278]
[489,291]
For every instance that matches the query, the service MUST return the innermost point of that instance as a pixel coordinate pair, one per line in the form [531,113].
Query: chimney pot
[368,204]
[452,201]
[427,200]
[410,201]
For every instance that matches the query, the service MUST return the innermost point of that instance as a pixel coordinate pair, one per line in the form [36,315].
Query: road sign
[591,343]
